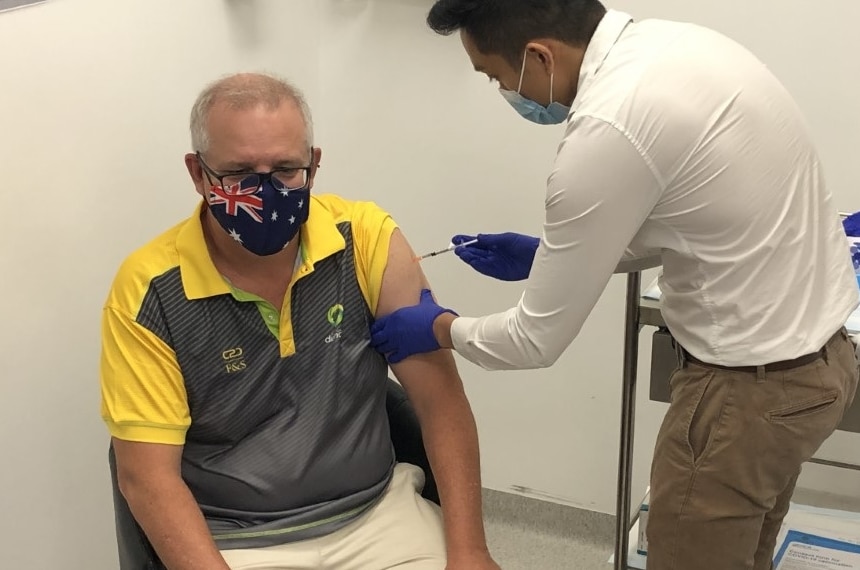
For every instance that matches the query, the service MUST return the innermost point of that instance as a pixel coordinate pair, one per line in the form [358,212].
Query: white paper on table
[813,538]
[803,551]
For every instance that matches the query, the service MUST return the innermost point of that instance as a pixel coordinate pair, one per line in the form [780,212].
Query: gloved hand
[508,256]
[408,330]
[852,225]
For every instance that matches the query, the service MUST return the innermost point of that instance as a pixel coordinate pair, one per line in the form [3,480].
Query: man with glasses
[245,403]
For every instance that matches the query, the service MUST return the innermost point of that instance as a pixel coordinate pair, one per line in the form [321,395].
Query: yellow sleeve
[371,231]
[143,393]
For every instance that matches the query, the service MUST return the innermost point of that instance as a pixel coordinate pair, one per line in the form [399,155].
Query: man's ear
[196,172]
[316,157]
[544,55]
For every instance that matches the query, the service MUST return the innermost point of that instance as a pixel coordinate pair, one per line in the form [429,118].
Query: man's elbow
[544,358]
[132,485]
[538,348]
[547,360]
[527,356]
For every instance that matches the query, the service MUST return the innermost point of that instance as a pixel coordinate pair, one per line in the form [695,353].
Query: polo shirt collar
[319,239]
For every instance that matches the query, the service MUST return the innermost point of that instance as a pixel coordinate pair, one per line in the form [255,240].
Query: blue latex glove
[408,330]
[852,225]
[506,256]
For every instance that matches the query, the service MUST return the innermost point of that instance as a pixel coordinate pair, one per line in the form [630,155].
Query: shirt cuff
[147,433]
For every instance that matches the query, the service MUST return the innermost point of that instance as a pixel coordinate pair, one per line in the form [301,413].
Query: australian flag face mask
[260,211]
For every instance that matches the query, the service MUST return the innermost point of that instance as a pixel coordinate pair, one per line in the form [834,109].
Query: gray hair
[241,91]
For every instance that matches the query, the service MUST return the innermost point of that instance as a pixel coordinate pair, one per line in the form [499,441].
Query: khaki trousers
[402,531]
[728,455]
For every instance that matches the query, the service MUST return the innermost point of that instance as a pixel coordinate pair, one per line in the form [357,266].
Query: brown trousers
[728,455]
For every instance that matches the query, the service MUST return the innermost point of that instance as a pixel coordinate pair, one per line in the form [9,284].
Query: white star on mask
[274,216]
[292,220]
[285,192]
[235,235]
[301,203]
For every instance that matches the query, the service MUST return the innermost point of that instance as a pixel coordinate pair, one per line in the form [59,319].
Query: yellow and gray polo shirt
[281,411]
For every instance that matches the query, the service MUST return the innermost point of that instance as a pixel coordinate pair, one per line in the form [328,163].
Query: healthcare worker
[678,141]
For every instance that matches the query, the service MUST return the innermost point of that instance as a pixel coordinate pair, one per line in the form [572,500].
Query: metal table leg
[628,412]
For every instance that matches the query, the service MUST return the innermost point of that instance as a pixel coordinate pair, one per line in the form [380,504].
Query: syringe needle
[451,247]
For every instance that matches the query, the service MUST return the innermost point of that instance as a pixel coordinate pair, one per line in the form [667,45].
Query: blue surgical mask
[554,114]
[264,221]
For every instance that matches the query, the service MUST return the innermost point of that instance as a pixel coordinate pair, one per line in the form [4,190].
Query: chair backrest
[136,552]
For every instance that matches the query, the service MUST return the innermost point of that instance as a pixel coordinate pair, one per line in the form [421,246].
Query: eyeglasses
[242,183]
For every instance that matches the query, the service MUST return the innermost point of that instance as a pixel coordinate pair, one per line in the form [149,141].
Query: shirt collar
[319,239]
[200,278]
[604,39]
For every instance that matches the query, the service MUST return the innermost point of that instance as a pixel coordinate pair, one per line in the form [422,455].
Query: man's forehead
[238,144]
[230,158]
[491,64]
[285,118]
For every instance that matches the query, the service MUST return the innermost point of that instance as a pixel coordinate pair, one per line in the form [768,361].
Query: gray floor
[529,534]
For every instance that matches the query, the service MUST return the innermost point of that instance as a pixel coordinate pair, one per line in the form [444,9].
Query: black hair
[504,27]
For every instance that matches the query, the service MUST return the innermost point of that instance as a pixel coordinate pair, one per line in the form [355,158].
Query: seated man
[245,403]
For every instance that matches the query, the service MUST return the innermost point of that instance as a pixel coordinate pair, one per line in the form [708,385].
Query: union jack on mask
[264,221]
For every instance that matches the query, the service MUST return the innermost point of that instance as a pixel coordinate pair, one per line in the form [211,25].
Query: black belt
[772,367]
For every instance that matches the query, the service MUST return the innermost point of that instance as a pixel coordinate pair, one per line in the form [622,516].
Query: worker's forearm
[166,510]
[442,330]
[451,439]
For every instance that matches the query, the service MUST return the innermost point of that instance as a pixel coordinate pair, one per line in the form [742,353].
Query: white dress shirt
[681,142]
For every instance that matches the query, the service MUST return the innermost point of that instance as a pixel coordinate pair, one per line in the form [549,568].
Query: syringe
[451,247]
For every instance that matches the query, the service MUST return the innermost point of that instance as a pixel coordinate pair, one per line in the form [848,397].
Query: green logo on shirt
[335,315]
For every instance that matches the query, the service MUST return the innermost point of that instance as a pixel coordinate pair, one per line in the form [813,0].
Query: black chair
[136,552]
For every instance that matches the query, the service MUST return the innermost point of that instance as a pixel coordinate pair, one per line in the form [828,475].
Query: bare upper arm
[136,461]
[422,375]
[403,278]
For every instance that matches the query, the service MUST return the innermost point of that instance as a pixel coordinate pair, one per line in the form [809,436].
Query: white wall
[94,98]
